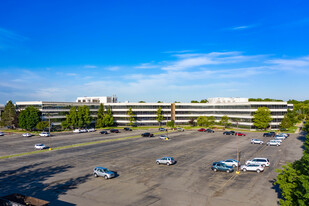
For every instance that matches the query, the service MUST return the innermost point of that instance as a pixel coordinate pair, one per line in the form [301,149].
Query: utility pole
[237,172]
[49,132]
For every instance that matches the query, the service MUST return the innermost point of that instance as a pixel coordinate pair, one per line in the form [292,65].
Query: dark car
[127,129]
[269,134]
[201,130]
[104,132]
[219,166]
[114,131]
[228,133]
[147,134]
[209,131]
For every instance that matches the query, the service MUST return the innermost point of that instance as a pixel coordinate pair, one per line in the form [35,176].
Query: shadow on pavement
[277,189]
[30,181]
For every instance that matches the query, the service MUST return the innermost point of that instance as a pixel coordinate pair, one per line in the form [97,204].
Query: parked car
[166,160]
[164,137]
[219,166]
[44,134]
[252,167]
[278,140]
[104,132]
[282,137]
[257,141]
[228,133]
[259,160]
[286,134]
[273,143]
[209,131]
[230,162]
[127,129]
[162,129]
[180,129]
[269,134]
[103,172]
[91,130]
[239,134]
[40,146]
[84,130]
[27,135]
[114,131]
[1,134]
[147,134]
[76,131]
[201,130]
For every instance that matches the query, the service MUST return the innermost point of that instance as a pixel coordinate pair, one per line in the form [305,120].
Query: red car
[201,130]
[240,134]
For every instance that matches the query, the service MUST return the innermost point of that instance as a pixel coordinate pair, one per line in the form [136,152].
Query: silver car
[273,143]
[256,141]
[1,134]
[259,161]
[103,172]
[27,135]
[252,167]
[230,162]
[166,160]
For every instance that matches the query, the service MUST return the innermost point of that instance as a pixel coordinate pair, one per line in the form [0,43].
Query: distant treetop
[264,100]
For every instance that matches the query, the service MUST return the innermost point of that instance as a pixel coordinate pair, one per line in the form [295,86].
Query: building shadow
[31,181]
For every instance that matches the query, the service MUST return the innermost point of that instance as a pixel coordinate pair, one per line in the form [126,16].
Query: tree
[292,115]
[100,116]
[159,102]
[204,101]
[29,118]
[160,117]
[141,102]
[108,118]
[262,118]
[210,121]
[194,101]
[71,119]
[131,116]
[170,124]
[8,116]
[224,121]
[191,122]
[83,114]
[201,120]
[42,125]
[285,123]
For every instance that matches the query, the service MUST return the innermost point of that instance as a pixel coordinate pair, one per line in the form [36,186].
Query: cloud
[243,27]
[113,68]
[90,67]
[146,66]
[9,39]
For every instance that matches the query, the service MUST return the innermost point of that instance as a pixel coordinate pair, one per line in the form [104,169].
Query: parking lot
[64,177]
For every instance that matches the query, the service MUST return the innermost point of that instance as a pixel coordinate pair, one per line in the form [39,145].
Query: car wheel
[264,165]
[215,169]
[168,164]
[277,145]
[228,171]
[158,163]
[244,170]
[261,143]
[234,165]
[95,175]
[106,177]
[258,171]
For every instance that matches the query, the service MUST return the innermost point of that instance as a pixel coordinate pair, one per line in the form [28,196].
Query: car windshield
[106,170]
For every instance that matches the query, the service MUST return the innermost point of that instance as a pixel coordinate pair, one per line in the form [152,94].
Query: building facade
[181,113]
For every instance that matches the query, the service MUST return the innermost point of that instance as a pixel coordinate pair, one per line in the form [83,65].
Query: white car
[230,162]
[44,134]
[27,135]
[1,134]
[76,131]
[91,130]
[164,137]
[256,141]
[252,167]
[180,129]
[280,137]
[83,130]
[273,143]
[278,140]
[39,146]
[259,161]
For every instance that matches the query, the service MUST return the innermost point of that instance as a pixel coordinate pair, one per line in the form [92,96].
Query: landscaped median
[72,146]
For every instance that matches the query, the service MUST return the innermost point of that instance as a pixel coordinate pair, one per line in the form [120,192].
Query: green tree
[71,119]
[224,121]
[262,118]
[292,115]
[108,118]
[42,125]
[65,124]
[83,114]
[29,118]
[8,117]
[210,121]
[285,123]
[201,120]
[159,102]
[141,102]
[170,124]
[194,101]
[100,116]
[191,122]
[160,117]
[204,101]
[131,117]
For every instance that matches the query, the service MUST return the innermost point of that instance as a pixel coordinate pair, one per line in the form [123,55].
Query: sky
[153,50]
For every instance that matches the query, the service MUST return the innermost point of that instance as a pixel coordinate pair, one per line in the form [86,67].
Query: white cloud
[146,66]
[90,67]
[113,68]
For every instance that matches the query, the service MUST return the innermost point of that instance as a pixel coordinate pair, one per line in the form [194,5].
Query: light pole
[50,148]
[237,172]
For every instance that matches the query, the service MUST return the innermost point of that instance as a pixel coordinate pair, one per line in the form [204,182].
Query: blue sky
[161,50]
